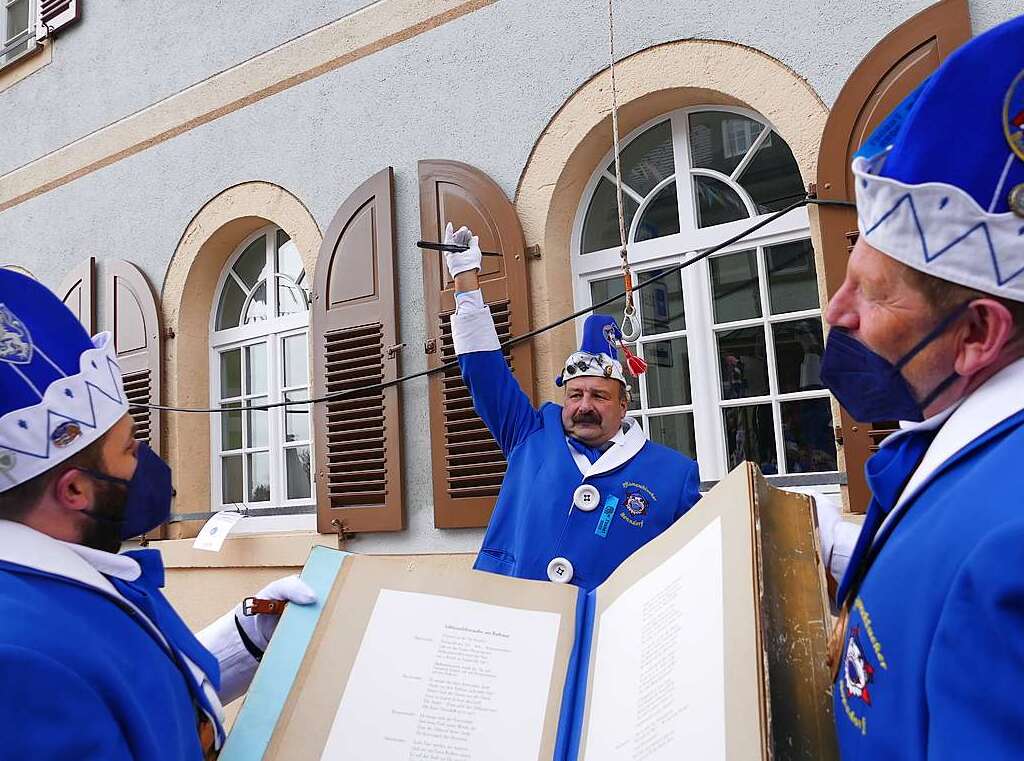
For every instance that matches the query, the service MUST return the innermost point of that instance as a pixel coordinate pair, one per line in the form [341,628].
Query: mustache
[587,418]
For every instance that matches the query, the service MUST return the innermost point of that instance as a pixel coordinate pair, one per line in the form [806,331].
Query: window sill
[25,65]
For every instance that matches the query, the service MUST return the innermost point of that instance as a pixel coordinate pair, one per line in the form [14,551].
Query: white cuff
[844,539]
[237,666]
[472,324]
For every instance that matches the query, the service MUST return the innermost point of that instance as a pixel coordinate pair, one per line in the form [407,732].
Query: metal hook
[343,535]
[630,325]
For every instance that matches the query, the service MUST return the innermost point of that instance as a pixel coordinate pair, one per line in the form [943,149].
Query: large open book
[708,643]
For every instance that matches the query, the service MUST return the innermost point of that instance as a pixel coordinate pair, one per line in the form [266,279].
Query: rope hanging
[630,324]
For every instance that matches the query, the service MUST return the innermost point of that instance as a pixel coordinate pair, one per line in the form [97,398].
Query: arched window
[259,355]
[734,342]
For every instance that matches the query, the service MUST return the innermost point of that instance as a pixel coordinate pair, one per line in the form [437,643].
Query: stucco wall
[480,88]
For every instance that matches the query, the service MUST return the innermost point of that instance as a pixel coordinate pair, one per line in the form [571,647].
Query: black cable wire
[362,390]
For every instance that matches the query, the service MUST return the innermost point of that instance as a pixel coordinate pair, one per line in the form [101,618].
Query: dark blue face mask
[870,387]
[147,495]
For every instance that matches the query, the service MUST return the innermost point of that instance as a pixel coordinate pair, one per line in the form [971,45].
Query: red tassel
[636,365]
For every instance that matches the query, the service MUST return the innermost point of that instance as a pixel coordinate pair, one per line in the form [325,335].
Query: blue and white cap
[597,355]
[59,390]
[940,183]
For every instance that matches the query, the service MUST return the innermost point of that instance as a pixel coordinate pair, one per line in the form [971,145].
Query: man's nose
[841,311]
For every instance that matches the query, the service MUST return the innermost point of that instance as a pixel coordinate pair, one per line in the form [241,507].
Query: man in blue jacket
[928,327]
[584,488]
[95,665]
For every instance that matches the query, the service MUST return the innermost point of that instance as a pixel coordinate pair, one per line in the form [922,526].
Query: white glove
[260,628]
[471,258]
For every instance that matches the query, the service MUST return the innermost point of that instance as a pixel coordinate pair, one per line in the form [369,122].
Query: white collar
[629,440]
[108,563]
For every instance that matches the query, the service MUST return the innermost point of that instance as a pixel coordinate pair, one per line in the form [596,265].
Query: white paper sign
[216,530]
[439,678]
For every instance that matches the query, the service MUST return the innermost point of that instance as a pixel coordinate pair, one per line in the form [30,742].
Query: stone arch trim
[188,294]
[650,82]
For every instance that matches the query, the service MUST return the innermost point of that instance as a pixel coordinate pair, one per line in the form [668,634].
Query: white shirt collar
[629,440]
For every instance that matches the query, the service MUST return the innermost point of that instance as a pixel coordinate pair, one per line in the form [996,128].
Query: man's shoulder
[670,457]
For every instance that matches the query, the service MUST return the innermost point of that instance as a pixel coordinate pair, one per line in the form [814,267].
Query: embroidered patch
[65,433]
[863,662]
[636,504]
[605,521]
[15,341]
[1013,115]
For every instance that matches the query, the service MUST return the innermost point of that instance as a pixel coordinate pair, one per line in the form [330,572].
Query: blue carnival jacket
[934,652]
[82,679]
[534,520]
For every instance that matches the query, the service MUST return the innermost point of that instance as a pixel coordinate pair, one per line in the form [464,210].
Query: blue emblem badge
[15,341]
[65,433]
[636,504]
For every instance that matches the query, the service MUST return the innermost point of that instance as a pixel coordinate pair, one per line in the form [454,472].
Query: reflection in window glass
[229,311]
[675,431]
[807,435]
[744,362]
[734,287]
[773,178]
[297,470]
[792,281]
[717,203]
[231,429]
[251,266]
[295,369]
[601,223]
[750,436]
[668,373]
[661,303]
[231,373]
[296,417]
[288,260]
[259,477]
[256,311]
[798,349]
[231,479]
[256,368]
[661,217]
[719,140]
[647,160]
[258,429]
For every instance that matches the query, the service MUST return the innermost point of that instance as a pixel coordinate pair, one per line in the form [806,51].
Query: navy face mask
[147,500]
[870,387]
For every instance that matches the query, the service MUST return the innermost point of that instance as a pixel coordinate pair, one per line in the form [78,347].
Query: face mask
[870,387]
[147,496]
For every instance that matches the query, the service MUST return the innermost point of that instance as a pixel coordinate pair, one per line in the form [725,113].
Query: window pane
[257,309]
[734,287]
[744,362]
[294,360]
[259,477]
[668,373]
[605,289]
[290,299]
[807,434]
[296,418]
[798,348]
[296,462]
[229,311]
[750,435]
[601,224]
[661,303]
[251,266]
[720,140]
[231,429]
[674,431]
[717,203]
[231,479]
[230,373]
[256,369]
[647,160]
[17,19]
[792,281]
[256,424]
[773,178]
[288,260]
[661,217]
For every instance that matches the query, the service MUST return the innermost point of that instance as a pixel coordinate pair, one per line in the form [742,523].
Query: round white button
[560,571]
[586,497]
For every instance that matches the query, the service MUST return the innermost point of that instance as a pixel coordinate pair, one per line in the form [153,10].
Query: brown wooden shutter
[78,291]
[890,72]
[354,330]
[131,314]
[468,467]
[53,15]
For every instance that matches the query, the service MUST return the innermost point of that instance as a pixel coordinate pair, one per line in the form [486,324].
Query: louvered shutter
[78,291]
[468,467]
[131,314]
[354,330]
[53,15]
[890,72]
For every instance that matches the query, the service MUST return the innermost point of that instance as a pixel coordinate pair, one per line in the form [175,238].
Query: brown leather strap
[252,606]
[834,652]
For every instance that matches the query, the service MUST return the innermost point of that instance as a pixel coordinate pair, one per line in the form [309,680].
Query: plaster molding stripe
[340,43]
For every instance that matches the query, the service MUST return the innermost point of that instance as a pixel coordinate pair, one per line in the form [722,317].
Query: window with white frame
[259,355]
[15,29]
[733,343]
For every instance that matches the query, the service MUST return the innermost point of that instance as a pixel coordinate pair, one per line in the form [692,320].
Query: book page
[442,678]
[659,673]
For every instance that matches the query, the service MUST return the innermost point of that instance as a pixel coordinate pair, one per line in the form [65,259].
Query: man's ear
[73,490]
[986,331]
